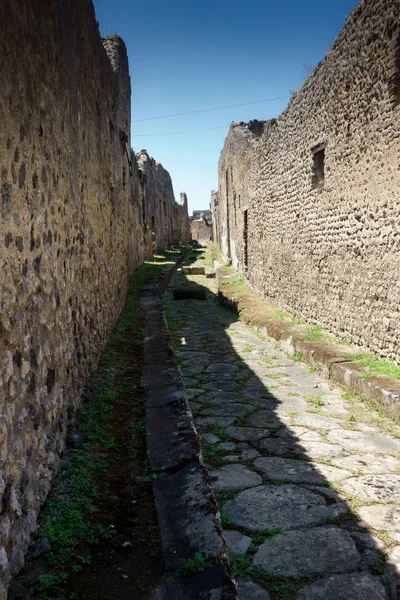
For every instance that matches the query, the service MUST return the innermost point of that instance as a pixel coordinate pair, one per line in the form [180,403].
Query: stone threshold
[323,355]
[186,507]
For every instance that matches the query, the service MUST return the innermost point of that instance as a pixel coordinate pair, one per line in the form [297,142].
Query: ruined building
[201,226]
[78,212]
[308,204]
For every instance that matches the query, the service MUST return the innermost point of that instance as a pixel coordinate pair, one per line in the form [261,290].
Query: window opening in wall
[318,171]
[245,239]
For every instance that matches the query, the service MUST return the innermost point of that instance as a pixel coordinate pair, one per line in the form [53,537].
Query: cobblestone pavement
[307,478]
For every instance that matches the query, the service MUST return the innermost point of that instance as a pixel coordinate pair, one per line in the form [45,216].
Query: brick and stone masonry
[78,212]
[201,226]
[308,204]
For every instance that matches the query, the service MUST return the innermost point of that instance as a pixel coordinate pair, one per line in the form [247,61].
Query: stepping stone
[384,517]
[248,590]
[237,542]
[234,477]
[369,463]
[307,553]
[193,270]
[373,488]
[299,471]
[284,507]
[357,586]
[366,442]
[266,419]
[247,454]
[249,434]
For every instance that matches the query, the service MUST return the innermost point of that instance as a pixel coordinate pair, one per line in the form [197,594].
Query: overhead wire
[192,112]
[176,132]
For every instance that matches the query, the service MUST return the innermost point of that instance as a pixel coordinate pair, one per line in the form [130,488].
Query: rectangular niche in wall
[318,169]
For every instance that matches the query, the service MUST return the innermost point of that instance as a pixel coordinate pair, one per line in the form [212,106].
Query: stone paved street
[307,478]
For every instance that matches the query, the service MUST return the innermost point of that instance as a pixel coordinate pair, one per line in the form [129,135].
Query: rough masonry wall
[71,230]
[201,226]
[308,204]
[165,222]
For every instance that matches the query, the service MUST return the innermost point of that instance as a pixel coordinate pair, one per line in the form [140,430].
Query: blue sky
[195,54]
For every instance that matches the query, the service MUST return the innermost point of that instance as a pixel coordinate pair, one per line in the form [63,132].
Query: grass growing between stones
[314,333]
[220,431]
[370,413]
[84,509]
[212,456]
[191,566]
[281,588]
[233,280]
[314,400]
[376,366]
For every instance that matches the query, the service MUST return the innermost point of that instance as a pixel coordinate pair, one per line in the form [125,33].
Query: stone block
[186,513]
[189,294]
[189,270]
[171,436]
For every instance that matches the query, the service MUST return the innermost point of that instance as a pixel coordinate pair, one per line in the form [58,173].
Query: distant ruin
[308,204]
[78,212]
[201,226]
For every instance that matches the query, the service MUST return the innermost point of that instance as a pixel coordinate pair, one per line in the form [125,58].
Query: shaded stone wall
[165,222]
[71,230]
[309,203]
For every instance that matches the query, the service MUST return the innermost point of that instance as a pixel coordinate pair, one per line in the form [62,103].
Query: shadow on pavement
[289,474]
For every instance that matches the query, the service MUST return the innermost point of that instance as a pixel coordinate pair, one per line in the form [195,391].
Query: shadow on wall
[276,483]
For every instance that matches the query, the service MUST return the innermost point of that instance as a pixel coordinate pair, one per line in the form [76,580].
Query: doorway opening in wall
[245,239]
[318,170]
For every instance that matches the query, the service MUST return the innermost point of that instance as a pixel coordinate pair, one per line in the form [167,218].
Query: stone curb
[186,508]
[383,391]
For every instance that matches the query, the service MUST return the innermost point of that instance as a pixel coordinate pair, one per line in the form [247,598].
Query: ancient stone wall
[308,204]
[165,222]
[71,230]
